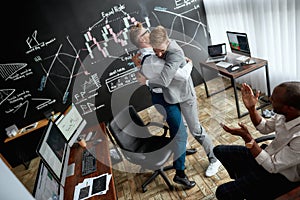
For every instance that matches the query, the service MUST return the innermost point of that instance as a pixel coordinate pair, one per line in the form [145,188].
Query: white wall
[272,27]
[10,186]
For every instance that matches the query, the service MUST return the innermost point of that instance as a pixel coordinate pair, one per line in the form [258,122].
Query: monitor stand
[249,62]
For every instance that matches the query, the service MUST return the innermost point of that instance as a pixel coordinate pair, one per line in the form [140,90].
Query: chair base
[155,174]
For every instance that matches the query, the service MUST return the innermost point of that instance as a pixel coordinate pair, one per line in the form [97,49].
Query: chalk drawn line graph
[56,59]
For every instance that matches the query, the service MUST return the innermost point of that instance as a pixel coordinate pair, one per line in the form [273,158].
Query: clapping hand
[241,131]
[249,98]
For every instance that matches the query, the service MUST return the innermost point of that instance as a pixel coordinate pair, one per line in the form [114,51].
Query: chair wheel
[144,189]
[171,187]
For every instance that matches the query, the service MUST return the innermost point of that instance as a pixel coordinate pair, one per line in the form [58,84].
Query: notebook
[216,53]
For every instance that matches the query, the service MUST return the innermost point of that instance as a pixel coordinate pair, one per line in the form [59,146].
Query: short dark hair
[292,93]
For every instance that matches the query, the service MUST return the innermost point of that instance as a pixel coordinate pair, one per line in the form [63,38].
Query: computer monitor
[46,186]
[54,152]
[71,124]
[238,43]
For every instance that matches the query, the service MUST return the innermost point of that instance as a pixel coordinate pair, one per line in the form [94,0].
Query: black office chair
[139,146]
[264,139]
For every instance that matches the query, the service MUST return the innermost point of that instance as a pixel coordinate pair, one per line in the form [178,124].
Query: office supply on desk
[11,130]
[89,164]
[92,186]
[81,141]
[29,127]
[90,135]
[216,52]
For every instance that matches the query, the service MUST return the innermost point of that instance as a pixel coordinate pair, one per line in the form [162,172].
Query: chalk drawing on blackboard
[9,69]
[96,82]
[5,93]
[34,44]
[19,100]
[45,103]
[89,89]
[182,3]
[58,60]
[119,80]
[181,16]
[89,107]
[105,33]
[20,105]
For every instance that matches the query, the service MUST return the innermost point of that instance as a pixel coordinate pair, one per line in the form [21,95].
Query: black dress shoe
[190,151]
[184,181]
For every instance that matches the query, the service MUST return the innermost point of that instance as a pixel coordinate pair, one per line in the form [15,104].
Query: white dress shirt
[283,154]
[152,66]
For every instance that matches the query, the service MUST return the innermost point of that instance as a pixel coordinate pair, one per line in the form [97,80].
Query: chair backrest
[128,129]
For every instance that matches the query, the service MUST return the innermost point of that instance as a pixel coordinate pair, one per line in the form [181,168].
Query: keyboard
[216,59]
[89,162]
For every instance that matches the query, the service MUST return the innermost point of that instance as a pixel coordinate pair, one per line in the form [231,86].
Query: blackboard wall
[59,51]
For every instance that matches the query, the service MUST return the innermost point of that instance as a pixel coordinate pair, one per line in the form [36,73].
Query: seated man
[264,173]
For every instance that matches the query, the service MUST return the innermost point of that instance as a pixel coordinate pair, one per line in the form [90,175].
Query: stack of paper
[92,187]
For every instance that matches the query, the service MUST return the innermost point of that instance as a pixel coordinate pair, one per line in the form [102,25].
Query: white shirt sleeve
[185,72]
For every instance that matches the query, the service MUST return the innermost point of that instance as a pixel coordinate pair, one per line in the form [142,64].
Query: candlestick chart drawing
[110,49]
[67,54]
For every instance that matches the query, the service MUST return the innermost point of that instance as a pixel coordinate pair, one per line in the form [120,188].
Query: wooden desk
[243,70]
[103,165]
[42,123]
[13,145]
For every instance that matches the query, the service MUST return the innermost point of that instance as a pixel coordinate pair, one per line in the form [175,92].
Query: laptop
[216,53]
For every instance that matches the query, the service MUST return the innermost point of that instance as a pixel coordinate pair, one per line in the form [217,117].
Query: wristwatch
[250,144]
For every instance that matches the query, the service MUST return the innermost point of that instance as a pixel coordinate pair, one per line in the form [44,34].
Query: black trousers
[250,180]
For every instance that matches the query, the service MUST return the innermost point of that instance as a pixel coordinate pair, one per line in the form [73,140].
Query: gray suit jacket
[174,91]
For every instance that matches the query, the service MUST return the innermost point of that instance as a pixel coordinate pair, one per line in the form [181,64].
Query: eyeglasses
[146,31]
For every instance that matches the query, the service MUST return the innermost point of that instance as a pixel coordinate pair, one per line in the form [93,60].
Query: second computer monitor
[71,124]
[238,43]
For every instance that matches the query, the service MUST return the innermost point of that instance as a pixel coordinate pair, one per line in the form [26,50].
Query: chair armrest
[265,138]
[157,124]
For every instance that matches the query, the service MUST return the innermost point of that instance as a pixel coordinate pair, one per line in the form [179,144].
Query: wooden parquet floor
[218,108]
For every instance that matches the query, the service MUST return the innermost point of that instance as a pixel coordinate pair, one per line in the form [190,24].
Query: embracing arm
[173,62]
[184,73]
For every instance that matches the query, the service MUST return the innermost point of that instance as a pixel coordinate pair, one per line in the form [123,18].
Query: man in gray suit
[179,91]
[146,60]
